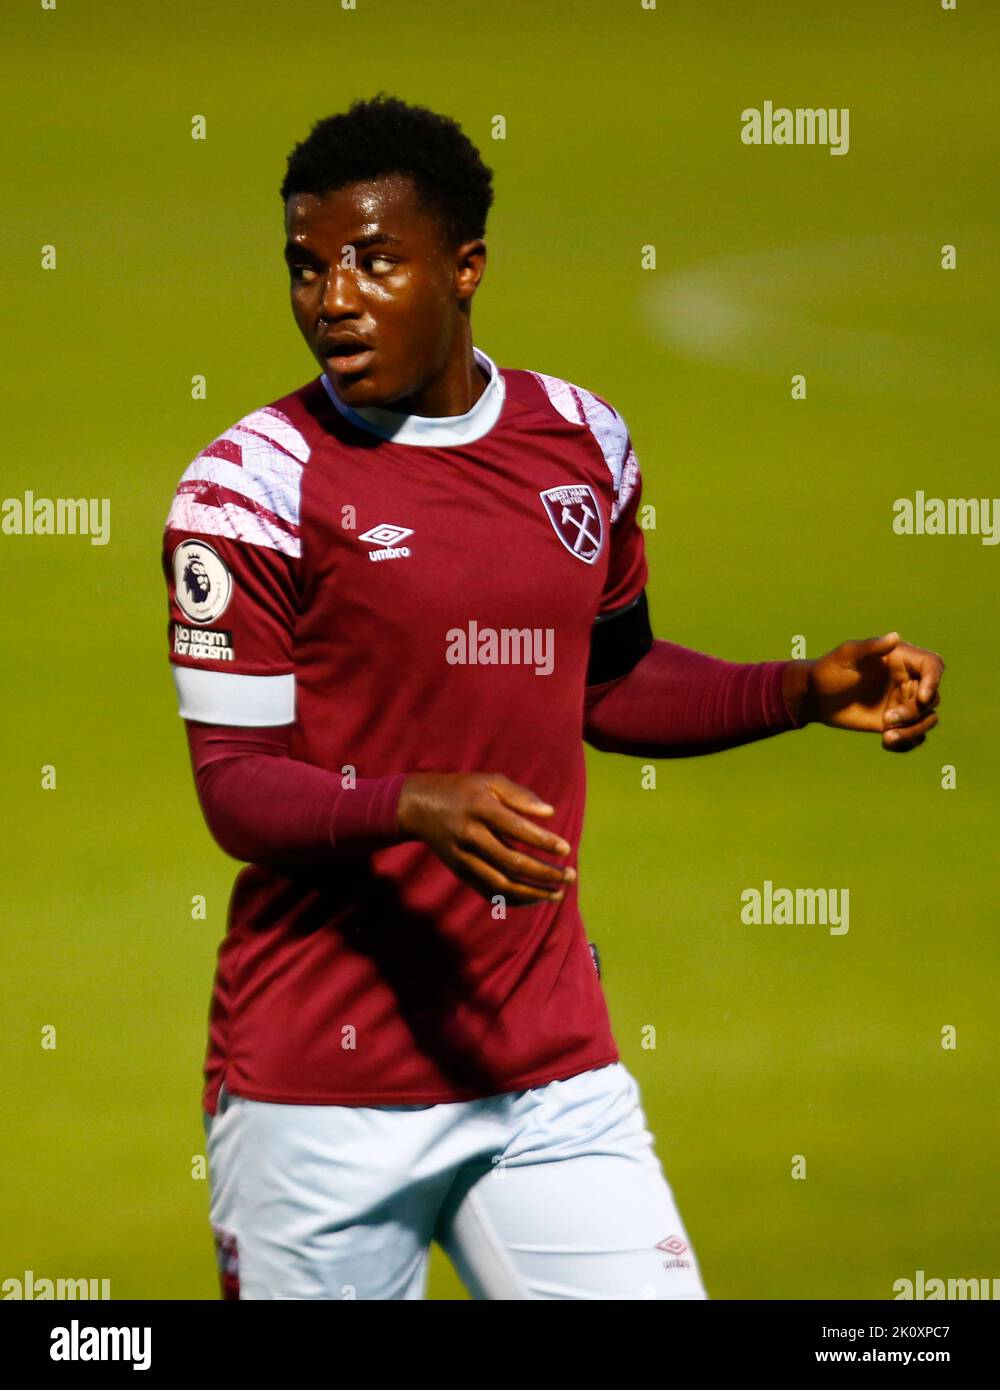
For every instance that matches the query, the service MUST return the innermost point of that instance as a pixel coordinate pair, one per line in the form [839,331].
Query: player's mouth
[346,355]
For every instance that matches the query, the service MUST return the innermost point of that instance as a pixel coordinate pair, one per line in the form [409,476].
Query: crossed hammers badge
[576,517]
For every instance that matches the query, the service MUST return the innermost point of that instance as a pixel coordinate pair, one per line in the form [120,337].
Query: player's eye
[380,264]
[302,272]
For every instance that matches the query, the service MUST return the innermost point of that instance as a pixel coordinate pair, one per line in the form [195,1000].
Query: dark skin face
[407,297]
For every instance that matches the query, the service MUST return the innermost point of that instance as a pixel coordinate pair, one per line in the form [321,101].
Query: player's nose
[340,293]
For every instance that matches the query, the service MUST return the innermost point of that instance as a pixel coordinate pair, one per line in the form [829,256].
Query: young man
[401,597]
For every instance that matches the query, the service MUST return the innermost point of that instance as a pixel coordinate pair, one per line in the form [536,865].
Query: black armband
[619,641]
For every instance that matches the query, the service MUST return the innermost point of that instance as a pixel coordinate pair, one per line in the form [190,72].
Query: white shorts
[553,1192]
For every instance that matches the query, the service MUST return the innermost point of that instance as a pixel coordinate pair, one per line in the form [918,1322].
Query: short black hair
[385,135]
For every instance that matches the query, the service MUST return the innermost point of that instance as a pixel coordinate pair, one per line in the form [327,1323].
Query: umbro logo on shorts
[673,1245]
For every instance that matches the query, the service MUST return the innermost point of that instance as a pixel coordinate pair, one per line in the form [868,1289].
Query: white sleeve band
[220,697]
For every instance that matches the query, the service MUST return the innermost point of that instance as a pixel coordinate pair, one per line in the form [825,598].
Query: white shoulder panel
[582,407]
[246,484]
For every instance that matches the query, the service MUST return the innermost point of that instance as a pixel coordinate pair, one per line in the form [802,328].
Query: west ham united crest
[576,516]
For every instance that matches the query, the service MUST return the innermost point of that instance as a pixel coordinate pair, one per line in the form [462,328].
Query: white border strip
[221,697]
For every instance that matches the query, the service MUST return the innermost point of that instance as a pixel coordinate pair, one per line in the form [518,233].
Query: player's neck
[484,394]
[455,392]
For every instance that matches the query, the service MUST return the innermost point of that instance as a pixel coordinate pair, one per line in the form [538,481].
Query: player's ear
[618,641]
[470,266]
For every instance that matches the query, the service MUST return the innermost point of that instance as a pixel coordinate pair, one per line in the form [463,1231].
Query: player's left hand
[873,685]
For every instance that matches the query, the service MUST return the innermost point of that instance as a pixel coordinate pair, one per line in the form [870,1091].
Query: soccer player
[401,597]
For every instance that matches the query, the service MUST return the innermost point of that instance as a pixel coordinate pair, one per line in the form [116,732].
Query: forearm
[265,807]
[678,703]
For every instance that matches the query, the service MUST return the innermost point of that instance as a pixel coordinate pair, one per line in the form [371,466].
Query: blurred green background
[773,520]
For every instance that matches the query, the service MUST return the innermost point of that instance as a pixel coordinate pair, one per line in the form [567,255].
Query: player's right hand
[467,819]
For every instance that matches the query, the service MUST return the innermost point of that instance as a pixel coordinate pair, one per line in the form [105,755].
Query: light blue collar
[430,430]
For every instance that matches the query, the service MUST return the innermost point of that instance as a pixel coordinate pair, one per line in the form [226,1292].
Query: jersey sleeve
[231,559]
[627,566]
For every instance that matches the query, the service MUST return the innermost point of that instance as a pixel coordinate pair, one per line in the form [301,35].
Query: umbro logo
[676,1248]
[387,537]
[673,1245]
